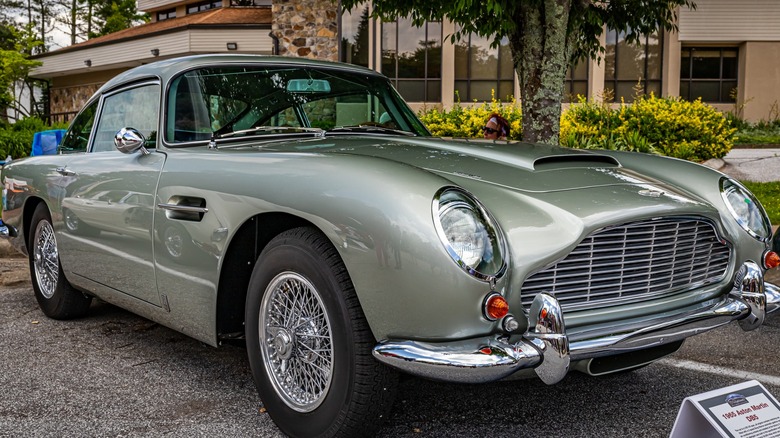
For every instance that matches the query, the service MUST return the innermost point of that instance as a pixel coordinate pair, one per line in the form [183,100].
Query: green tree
[14,65]
[116,15]
[545,36]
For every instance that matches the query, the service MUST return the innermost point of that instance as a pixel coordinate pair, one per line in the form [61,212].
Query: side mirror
[129,140]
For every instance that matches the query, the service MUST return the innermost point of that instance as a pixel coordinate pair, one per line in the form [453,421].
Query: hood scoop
[554,162]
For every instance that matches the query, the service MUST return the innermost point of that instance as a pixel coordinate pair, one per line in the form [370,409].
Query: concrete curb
[714,163]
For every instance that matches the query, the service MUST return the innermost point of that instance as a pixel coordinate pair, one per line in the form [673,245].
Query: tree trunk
[74,9]
[541,57]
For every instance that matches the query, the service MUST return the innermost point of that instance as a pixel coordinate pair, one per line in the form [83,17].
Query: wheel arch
[236,270]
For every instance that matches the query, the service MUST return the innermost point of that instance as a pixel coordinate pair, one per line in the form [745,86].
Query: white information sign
[745,410]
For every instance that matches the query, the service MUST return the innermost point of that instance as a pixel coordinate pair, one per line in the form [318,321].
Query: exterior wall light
[232,46]
[88,62]
[155,52]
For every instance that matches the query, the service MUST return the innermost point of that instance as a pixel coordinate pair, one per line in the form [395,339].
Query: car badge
[651,193]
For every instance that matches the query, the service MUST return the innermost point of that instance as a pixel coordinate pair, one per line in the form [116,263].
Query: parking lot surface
[116,374]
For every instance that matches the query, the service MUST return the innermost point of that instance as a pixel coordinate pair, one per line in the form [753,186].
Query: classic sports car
[315,217]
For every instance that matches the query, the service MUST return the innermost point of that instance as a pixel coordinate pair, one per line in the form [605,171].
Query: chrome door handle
[65,172]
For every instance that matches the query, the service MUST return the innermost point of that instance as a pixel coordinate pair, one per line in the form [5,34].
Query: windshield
[238,101]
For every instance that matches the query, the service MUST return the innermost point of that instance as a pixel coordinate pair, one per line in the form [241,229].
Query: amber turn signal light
[771,260]
[496,307]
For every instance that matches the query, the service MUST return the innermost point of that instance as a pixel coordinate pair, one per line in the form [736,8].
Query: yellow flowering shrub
[467,121]
[668,126]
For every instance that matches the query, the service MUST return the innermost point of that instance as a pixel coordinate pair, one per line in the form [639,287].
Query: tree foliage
[545,36]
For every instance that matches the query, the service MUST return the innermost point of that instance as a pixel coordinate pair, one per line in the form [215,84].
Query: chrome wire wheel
[296,341]
[45,258]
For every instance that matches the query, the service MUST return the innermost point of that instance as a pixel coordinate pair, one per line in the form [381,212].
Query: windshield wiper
[372,129]
[265,129]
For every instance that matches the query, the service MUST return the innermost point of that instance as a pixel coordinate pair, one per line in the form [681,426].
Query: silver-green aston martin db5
[303,207]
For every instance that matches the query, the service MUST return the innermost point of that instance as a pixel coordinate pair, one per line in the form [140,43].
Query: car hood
[519,166]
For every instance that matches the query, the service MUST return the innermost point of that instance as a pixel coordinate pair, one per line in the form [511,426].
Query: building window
[411,58]
[354,36]
[481,72]
[709,73]
[203,6]
[576,82]
[165,15]
[632,68]
[251,3]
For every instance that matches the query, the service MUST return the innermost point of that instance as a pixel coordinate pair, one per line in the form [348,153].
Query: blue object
[46,142]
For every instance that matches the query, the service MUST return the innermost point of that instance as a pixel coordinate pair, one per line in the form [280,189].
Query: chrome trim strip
[469,361]
[772,297]
[547,331]
[184,208]
[749,288]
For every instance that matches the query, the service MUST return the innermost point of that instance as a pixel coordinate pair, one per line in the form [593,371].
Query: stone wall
[307,28]
[69,100]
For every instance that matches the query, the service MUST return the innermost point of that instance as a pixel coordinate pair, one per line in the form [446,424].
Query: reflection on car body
[302,206]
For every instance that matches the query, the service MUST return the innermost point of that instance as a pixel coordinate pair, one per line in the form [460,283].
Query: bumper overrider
[546,348]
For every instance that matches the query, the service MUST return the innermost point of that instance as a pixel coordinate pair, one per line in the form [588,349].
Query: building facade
[726,53]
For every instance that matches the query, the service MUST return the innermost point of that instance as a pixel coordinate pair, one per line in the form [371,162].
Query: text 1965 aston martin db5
[302,206]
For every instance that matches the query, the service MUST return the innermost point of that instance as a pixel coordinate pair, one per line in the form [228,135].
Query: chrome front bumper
[545,346]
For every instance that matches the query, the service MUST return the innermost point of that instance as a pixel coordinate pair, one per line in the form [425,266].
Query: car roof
[168,68]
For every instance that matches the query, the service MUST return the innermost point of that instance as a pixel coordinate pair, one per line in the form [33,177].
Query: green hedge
[668,126]
[16,139]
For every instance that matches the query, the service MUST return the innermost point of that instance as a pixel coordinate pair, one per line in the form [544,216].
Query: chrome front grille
[633,262]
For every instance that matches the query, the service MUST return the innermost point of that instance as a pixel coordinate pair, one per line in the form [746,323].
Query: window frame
[124,88]
[469,75]
[690,80]
[394,79]
[644,42]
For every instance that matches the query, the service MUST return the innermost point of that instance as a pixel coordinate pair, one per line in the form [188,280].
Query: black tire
[56,297]
[354,398]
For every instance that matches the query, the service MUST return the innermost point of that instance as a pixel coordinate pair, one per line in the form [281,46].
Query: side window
[77,137]
[136,108]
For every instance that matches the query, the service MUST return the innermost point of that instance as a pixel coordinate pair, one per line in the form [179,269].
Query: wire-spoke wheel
[309,344]
[56,297]
[297,347]
[46,259]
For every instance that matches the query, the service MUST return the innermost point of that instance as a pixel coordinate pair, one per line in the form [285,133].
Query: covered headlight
[468,233]
[745,208]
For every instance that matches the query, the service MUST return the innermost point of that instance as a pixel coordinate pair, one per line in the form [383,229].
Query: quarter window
[709,73]
[411,58]
[483,72]
[77,137]
[133,108]
[632,68]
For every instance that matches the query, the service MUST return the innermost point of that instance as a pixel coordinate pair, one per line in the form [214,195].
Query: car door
[101,247]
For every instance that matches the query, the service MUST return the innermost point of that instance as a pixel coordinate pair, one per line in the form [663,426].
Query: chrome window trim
[119,89]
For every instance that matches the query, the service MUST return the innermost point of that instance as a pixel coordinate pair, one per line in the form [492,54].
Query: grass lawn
[768,195]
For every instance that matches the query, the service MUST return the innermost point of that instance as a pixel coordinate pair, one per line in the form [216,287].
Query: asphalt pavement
[758,165]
